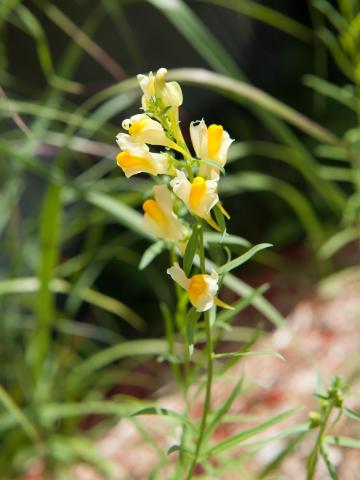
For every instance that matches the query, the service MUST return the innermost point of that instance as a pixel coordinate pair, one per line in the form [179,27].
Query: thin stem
[210,368]
[312,460]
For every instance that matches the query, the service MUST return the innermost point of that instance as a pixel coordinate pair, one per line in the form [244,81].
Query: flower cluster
[192,181]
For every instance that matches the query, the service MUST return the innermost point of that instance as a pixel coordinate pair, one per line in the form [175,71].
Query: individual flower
[210,143]
[136,158]
[201,288]
[146,130]
[159,218]
[168,93]
[200,195]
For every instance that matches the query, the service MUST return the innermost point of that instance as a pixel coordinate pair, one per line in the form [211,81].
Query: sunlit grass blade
[343,441]
[127,216]
[91,48]
[151,253]
[155,410]
[224,408]
[188,24]
[249,354]
[274,464]
[344,95]
[241,90]
[56,285]
[49,244]
[114,353]
[265,14]
[248,433]
[338,241]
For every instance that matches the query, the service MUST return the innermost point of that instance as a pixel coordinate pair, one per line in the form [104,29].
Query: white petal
[163,198]
[224,147]
[150,226]
[181,186]
[127,142]
[178,275]
[198,134]
[205,302]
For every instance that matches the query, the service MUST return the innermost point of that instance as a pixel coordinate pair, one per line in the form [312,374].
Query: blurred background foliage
[73,300]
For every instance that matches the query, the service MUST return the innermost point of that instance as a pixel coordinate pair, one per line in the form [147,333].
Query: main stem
[209,355]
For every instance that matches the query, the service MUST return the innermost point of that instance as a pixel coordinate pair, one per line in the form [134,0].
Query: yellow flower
[146,130]
[159,218]
[200,195]
[210,143]
[169,93]
[201,288]
[136,158]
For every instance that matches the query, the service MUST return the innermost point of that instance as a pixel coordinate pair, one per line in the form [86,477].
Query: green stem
[312,460]
[209,354]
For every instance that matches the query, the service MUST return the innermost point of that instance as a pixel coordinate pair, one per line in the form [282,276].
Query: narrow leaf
[151,253]
[220,220]
[190,251]
[250,432]
[352,413]
[248,354]
[243,258]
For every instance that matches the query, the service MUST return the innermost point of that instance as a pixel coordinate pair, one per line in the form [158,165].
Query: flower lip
[201,288]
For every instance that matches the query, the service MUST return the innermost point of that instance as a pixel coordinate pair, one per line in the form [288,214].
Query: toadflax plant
[185,207]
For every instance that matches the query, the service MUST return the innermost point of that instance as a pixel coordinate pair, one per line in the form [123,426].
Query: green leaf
[174,448]
[274,464]
[190,250]
[18,415]
[151,253]
[338,241]
[109,355]
[239,89]
[213,237]
[344,95]
[242,259]
[26,285]
[324,452]
[190,327]
[220,220]
[343,441]
[250,432]
[352,413]
[212,163]
[248,354]
[224,408]
[267,15]
[127,216]
[155,410]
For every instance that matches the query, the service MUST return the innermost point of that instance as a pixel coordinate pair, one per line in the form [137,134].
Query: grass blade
[250,432]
